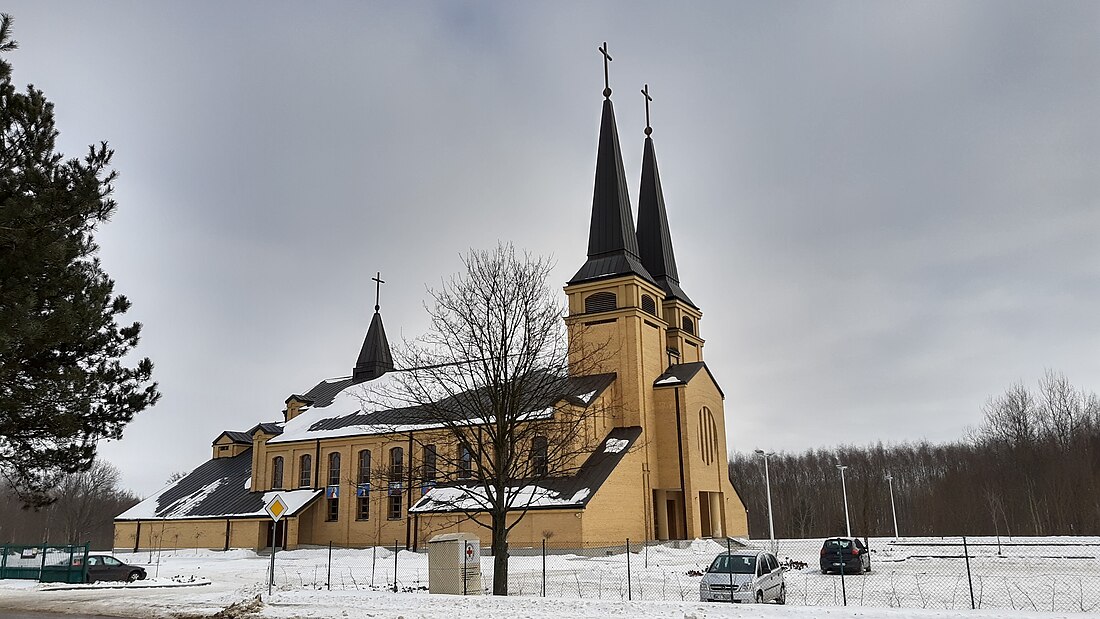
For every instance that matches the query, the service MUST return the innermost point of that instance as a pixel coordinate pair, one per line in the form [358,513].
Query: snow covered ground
[912,578]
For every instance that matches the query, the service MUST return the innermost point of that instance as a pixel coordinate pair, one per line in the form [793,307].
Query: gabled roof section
[266,427]
[219,488]
[612,244]
[352,418]
[567,492]
[323,393]
[682,373]
[654,237]
[374,358]
[244,438]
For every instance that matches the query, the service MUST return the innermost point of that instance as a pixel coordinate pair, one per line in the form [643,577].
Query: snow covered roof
[347,413]
[217,489]
[682,373]
[554,493]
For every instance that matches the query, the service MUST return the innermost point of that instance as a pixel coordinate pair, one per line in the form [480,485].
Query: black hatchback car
[106,567]
[845,553]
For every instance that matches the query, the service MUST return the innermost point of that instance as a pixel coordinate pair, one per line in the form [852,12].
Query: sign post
[275,508]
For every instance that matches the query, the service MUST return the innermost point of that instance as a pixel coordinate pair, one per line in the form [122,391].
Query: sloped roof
[568,492]
[374,358]
[236,437]
[654,237]
[323,393]
[219,488]
[355,421]
[682,373]
[612,243]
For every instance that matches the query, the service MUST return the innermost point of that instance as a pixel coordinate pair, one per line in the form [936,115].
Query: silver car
[744,576]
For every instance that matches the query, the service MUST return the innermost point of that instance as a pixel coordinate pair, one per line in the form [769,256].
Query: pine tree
[63,385]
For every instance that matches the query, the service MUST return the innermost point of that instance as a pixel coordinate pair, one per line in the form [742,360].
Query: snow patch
[615,445]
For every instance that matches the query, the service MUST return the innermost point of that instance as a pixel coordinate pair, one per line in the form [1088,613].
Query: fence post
[647,555]
[843,589]
[3,560]
[395,551]
[42,568]
[544,567]
[969,579]
[373,562]
[328,578]
[629,591]
[729,566]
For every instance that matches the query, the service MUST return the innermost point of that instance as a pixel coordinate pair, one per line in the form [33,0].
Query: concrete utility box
[454,564]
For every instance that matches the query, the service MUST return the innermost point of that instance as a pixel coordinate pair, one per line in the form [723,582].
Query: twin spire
[614,248]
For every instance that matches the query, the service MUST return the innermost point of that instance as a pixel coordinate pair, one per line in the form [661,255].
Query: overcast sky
[888,212]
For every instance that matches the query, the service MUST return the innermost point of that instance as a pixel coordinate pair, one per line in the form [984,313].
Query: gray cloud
[886,211]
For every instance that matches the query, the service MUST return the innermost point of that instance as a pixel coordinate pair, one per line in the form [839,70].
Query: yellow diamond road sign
[276,508]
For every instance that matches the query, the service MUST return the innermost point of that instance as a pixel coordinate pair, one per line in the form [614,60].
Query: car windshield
[733,564]
[838,544]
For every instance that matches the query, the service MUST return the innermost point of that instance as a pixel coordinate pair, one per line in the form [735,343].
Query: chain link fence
[1052,574]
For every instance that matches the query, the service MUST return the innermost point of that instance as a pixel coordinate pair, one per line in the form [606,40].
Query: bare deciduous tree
[489,393]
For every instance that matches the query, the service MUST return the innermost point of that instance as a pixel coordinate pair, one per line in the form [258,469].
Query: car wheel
[759,597]
[782,599]
[134,576]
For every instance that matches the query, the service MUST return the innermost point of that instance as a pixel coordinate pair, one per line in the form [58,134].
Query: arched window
[538,456]
[277,472]
[688,325]
[708,436]
[334,468]
[397,464]
[649,305]
[465,462]
[305,471]
[364,466]
[600,302]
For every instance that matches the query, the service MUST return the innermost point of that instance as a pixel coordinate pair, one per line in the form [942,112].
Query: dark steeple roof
[612,245]
[654,238]
[374,358]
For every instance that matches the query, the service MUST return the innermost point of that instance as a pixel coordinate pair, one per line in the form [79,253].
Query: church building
[352,474]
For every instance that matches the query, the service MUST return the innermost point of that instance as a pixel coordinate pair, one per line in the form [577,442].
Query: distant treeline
[1031,468]
[84,509]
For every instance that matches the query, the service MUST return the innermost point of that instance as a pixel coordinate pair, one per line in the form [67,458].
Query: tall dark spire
[654,238]
[612,245]
[374,358]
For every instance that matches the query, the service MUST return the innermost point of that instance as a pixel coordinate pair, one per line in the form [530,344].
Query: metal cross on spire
[645,93]
[606,77]
[378,281]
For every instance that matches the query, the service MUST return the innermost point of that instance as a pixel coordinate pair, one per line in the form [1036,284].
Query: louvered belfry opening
[600,302]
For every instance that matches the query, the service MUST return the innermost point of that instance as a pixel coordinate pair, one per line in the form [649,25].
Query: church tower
[627,307]
[614,302]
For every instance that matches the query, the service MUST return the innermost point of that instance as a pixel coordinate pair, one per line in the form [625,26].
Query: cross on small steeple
[645,93]
[606,77]
[377,279]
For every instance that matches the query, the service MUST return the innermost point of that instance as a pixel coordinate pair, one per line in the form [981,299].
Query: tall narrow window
[305,471]
[333,513]
[277,473]
[397,464]
[394,507]
[364,467]
[363,508]
[465,462]
[334,468]
[429,463]
[538,456]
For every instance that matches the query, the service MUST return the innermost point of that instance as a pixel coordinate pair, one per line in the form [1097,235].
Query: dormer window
[649,305]
[688,325]
[600,302]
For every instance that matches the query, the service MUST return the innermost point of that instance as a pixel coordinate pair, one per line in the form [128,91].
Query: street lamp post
[768,484]
[893,510]
[844,489]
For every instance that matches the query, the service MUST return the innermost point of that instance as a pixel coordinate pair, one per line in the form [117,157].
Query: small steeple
[374,357]
[612,245]
[654,238]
